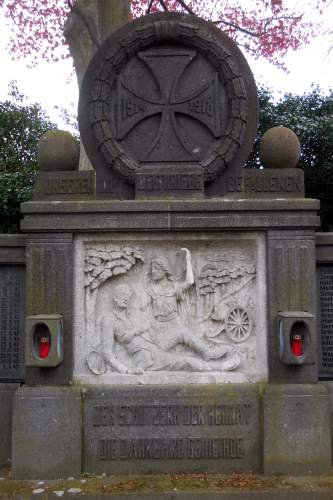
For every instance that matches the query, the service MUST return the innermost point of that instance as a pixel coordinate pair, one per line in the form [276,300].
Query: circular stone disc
[168,89]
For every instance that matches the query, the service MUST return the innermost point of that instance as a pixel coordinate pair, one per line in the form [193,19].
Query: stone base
[6,403]
[296,430]
[46,433]
[171,429]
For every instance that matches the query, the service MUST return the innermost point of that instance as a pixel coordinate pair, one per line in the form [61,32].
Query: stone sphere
[57,151]
[279,148]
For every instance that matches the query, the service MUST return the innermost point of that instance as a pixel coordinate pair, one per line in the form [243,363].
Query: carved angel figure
[165,293]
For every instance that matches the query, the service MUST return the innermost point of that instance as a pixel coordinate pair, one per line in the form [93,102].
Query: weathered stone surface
[291,287]
[296,430]
[158,429]
[12,313]
[46,433]
[50,291]
[12,249]
[64,186]
[153,111]
[57,150]
[6,403]
[279,148]
[160,309]
[169,216]
[324,248]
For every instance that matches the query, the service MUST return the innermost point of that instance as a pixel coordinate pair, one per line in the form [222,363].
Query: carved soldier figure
[135,337]
[120,326]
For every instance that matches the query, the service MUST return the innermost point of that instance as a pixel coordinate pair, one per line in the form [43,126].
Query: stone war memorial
[167,300]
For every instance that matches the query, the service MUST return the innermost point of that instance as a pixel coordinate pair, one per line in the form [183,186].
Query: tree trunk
[87,26]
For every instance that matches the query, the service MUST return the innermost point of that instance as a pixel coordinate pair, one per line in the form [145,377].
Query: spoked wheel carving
[238,324]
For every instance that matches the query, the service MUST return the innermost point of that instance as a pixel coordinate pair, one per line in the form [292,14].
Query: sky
[54,85]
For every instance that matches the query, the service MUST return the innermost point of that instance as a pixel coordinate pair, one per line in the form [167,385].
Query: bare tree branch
[186,7]
[163,5]
[269,20]
[247,48]
[150,6]
[239,28]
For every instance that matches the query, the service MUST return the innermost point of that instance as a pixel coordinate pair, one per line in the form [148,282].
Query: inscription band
[171,415]
[191,448]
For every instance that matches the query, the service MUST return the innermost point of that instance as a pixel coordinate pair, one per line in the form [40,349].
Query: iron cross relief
[170,141]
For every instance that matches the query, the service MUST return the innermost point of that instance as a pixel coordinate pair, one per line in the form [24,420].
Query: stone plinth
[297,430]
[6,403]
[46,433]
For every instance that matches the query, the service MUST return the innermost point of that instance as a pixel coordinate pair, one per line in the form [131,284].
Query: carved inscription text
[69,186]
[11,337]
[174,416]
[171,415]
[169,182]
[326,315]
[192,448]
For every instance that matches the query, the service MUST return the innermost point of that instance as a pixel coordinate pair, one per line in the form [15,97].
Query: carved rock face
[168,89]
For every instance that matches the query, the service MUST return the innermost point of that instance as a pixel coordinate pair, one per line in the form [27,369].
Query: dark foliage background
[310,116]
[21,127]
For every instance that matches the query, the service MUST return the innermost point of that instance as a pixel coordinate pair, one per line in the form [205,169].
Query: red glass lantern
[44,347]
[297,345]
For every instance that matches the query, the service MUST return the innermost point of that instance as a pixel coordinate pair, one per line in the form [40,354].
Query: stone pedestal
[6,403]
[131,429]
[296,430]
[46,433]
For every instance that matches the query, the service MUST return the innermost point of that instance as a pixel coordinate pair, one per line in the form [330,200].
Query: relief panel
[167,310]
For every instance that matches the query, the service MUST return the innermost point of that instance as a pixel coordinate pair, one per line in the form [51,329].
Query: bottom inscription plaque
[131,430]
